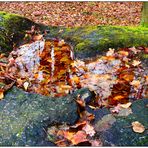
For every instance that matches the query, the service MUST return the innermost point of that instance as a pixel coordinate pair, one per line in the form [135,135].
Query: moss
[12,30]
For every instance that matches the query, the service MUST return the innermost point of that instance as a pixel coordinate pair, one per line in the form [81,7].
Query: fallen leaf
[136,63]
[124,53]
[138,127]
[110,52]
[26,84]
[1,95]
[78,124]
[118,97]
[127,105]
[89,130]
[95,143]
[79,137]
[135,83]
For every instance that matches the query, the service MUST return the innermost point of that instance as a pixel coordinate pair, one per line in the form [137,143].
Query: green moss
[12,30]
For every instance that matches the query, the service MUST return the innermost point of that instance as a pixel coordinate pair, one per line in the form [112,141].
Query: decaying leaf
[26,84]
[89,130]
[127,105]
[96,143]
[138,127]
[136,63]
[135,83]
[1,95]
[79,137]
[110,52]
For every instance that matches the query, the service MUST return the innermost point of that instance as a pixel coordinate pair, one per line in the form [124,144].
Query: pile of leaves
[71,14]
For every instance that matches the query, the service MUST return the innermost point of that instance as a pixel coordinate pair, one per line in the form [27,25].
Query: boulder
[12,30]
[90,41]
[116,130]
[24,117]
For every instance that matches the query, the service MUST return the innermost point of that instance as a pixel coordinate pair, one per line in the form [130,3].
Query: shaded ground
[77,13]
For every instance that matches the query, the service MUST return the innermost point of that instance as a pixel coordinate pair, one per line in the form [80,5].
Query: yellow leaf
[110,52]
[26,84]
[124,53]
[61,43]
[138,127]
[135,83]
[119,97]
[127,105]
[1,95]
[136,63]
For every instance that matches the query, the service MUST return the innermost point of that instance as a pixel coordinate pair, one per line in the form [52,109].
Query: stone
[12,30]
[25,117]
[119,132]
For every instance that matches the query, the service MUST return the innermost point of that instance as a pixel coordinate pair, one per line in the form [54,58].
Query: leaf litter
[47,67]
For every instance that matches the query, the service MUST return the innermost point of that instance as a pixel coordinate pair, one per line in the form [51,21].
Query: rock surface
[117,130]
[92,40]
[12,30]
[24,117]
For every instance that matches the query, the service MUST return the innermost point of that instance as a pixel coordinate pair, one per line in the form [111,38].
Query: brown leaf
[79,137]
[1,95]
[89,130]
[95,143]
[138,127]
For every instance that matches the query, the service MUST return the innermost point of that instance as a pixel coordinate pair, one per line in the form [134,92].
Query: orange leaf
[138,127]
[79,137]
[1,95]
[119,97]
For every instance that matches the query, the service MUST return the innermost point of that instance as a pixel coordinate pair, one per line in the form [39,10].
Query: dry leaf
[138,127]
[110,52]
[135,83]
[79,137]
[127,105]
[1,95]
[26,84]
[89,130]
[136,63]
[95,143]
[119,97]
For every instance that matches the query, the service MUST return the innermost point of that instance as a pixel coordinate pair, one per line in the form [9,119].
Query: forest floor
[77,13]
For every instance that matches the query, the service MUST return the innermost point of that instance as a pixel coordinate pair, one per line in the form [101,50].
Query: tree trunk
[144,20]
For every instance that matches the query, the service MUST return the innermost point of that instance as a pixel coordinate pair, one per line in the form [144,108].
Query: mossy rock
[24,117]
[119,130]
[12,30]
[92,40]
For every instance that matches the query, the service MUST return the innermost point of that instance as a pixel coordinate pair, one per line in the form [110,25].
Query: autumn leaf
[135,83]
[138,127]
[136,63]
[79,137]
[118,97]
[26,84]
[89,130]
[127,105]
[110,52]
[96,143]
[1,95]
